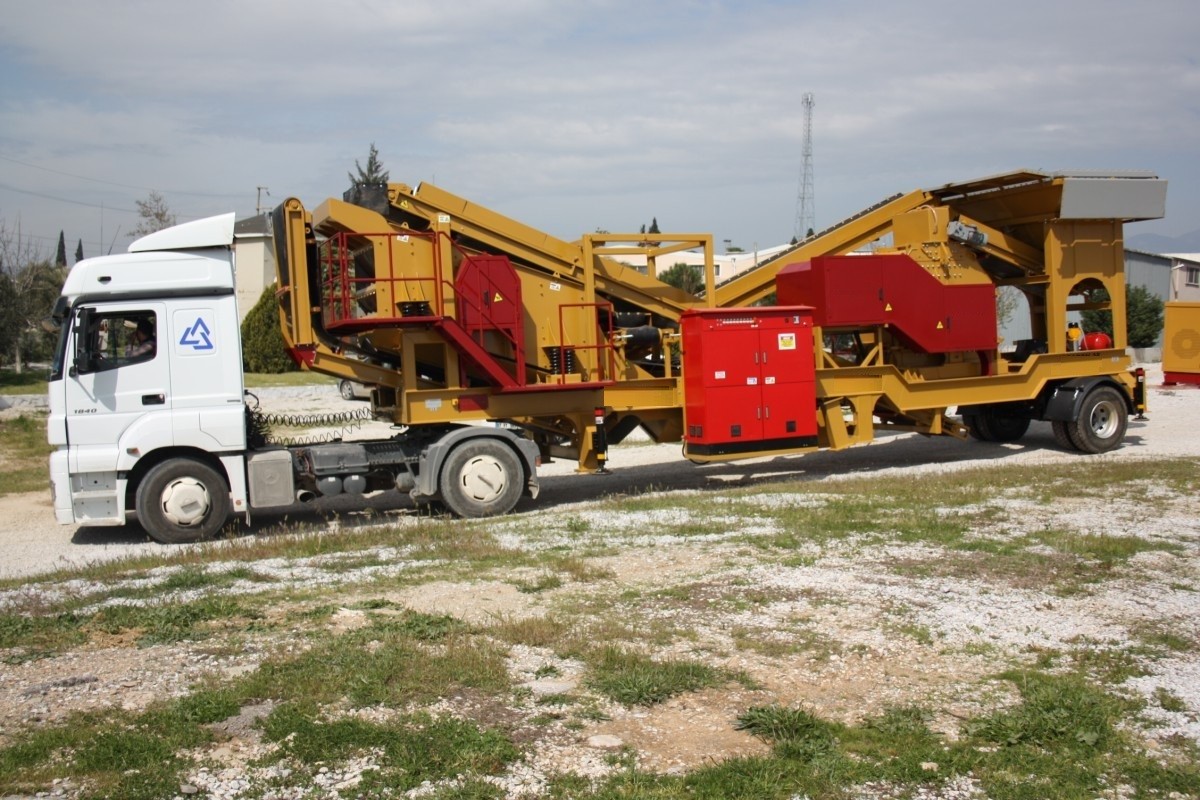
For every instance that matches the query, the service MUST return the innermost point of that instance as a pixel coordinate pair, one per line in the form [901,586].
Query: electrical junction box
[749,381]
[1181,343]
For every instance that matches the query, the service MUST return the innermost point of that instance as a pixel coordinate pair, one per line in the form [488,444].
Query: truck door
[117,379]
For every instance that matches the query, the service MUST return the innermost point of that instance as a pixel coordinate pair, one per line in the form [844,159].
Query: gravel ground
[850,599]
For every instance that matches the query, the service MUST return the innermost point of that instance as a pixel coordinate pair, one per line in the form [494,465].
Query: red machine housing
[895,291]
[749,380]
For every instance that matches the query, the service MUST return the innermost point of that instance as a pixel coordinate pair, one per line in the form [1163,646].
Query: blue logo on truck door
[196,336]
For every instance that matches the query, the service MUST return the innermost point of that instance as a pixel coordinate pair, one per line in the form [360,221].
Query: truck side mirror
[84,361]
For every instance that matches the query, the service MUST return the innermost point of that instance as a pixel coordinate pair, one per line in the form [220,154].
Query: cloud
[577,114]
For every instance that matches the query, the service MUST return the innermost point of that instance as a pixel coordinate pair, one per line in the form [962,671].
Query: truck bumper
[60,488]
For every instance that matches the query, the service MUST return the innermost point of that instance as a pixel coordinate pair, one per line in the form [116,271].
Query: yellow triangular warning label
[497,298]
[940,325]
[888,307]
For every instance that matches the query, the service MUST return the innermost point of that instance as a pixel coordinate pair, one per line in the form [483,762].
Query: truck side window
[129,337]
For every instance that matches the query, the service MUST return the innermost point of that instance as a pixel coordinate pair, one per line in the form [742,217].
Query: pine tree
[60,260]
[79,251]
[373,175]
[654,225]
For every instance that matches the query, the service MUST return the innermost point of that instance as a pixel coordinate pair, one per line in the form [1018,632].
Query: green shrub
[1143,316]
[263,349]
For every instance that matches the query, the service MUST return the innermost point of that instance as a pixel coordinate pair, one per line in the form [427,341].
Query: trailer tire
[1103,418]
[481,478]
[182,500]
[1062,435]
[1005,428]
[978,427]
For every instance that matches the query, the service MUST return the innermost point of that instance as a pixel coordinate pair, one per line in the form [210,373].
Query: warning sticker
[787,341]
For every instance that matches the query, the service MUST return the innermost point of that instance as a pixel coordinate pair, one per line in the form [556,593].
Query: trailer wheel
[481,478]
[1005,428]
[182,500]
[1062,435]
[977,426]
[1102,421]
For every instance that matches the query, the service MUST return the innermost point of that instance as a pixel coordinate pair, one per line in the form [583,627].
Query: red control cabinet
[749,380]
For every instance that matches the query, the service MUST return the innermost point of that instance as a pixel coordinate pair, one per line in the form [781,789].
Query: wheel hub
[185,502]
[1104,420]
[483,478]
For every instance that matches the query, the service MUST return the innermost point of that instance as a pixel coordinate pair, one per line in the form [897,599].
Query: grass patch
[637,680]
[115,753]
[24,455]
[381,665]
[296,378]
[409,751]
[28,381]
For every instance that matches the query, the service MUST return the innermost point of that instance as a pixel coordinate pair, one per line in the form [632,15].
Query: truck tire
[182,500]
[1102,421]
[481,478]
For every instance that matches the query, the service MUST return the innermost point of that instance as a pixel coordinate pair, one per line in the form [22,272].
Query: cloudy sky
[573,115]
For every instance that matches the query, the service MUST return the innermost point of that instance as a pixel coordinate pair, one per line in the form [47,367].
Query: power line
[114,183]
[65,199]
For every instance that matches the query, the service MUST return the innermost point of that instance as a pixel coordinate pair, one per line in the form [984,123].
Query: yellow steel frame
[1027,246]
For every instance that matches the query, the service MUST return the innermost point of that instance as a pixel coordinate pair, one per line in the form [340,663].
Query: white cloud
[626,106]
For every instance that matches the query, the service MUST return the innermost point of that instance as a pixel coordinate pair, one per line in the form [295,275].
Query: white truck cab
[146,389]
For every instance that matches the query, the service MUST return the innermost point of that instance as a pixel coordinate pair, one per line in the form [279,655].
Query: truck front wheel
[481,478]
[1102,421]
[182,500]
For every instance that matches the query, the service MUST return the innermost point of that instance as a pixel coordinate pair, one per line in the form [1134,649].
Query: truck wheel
[182,500]
[1102,420]
[481,478]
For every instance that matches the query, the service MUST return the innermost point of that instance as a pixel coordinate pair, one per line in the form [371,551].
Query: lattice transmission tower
[805,198]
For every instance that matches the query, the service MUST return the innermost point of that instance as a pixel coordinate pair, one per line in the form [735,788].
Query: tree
[653,226]
[373,175]
[60,259]
[688,277]
[1008,298]
[29,285]
[79,251]
[263,348]
[155,215]
[1143,316]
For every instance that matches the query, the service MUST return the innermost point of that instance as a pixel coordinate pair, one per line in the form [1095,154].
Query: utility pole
[806,198]
[258,208]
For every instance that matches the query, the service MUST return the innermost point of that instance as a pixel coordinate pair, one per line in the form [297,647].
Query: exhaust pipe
[304,496]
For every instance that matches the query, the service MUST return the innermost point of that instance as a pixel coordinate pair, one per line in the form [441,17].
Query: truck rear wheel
[182,500]
[481,478]
[1102,421]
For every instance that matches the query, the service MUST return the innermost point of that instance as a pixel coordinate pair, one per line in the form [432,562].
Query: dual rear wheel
[1099,427]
